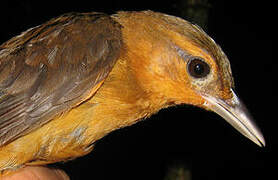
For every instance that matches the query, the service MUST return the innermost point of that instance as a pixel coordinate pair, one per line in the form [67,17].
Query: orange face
[176,61]
[173,62]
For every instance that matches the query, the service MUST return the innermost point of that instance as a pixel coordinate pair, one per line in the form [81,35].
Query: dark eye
[198,68]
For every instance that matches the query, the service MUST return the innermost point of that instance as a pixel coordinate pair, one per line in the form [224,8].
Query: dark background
[199,141]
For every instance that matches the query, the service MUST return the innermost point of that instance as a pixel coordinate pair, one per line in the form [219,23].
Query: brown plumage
[69,82]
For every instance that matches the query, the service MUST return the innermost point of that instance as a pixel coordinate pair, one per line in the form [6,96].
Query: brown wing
[53,67]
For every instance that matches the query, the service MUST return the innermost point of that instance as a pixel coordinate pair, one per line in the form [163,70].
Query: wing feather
[51,68]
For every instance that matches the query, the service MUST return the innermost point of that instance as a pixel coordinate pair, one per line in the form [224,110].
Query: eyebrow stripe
[182,53]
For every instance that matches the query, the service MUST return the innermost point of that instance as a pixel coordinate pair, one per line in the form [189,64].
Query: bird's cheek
[190,97]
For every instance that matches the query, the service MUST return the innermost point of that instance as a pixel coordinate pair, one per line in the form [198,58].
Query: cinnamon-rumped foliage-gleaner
[68,82]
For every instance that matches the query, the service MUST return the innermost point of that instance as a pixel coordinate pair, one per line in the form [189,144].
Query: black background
[200,140]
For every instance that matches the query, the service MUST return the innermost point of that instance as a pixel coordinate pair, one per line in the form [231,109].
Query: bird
[69,82]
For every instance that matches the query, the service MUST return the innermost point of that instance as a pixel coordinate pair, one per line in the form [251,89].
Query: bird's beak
[235,113]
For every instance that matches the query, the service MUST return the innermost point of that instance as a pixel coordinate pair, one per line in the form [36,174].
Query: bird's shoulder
[53,67]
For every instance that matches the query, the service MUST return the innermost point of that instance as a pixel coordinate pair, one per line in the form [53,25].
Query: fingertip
[37,173]
[61,174]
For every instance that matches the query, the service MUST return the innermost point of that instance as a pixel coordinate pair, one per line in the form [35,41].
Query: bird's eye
[198,68]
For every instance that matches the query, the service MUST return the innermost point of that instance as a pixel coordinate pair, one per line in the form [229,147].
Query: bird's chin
[235,113]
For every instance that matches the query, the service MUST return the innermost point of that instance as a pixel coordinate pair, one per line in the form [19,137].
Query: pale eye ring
[197,67]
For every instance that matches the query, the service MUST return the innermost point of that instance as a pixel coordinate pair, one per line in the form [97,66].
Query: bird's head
[179,63]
